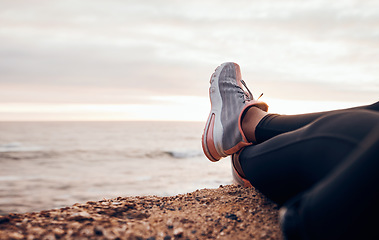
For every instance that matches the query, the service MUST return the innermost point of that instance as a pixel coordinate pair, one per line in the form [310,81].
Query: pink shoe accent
[212,153]
[238,176]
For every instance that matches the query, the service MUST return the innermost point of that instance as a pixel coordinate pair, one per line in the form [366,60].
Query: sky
[152,59]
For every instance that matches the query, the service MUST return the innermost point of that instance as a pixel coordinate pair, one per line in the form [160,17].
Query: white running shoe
[223,134]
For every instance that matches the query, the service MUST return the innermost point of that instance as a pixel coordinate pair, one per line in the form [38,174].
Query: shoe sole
[237,178]
[213,130]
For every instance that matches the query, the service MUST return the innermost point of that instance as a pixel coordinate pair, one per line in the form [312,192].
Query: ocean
[47,165]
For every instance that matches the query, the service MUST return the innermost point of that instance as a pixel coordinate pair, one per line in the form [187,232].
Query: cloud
[171,47]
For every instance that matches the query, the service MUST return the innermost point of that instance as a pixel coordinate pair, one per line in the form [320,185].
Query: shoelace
[249,96]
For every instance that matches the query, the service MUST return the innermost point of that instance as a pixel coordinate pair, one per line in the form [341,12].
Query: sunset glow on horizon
[186,109]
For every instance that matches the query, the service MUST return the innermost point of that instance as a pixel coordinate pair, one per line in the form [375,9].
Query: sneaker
[223,134]
[237,172]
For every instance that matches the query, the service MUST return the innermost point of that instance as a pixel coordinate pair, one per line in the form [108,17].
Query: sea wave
[17,150]
[18,147]
[184,153]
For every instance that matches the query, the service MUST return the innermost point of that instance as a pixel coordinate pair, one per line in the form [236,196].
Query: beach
[226,212]
[122,180]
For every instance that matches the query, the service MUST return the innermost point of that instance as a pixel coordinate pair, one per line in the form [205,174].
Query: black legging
[328,160]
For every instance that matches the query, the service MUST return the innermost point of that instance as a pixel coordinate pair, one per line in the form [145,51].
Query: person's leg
[344,205]
[272,125]
[292,162]
[232,123]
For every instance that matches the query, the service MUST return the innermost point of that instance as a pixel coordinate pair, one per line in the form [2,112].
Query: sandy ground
[228,212]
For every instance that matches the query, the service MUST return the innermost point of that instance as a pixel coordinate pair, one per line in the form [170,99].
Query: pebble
[178,232]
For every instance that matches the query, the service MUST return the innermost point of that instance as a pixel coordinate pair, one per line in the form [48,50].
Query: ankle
[250,121]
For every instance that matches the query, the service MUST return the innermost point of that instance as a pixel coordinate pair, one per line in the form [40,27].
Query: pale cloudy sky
[152,59]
